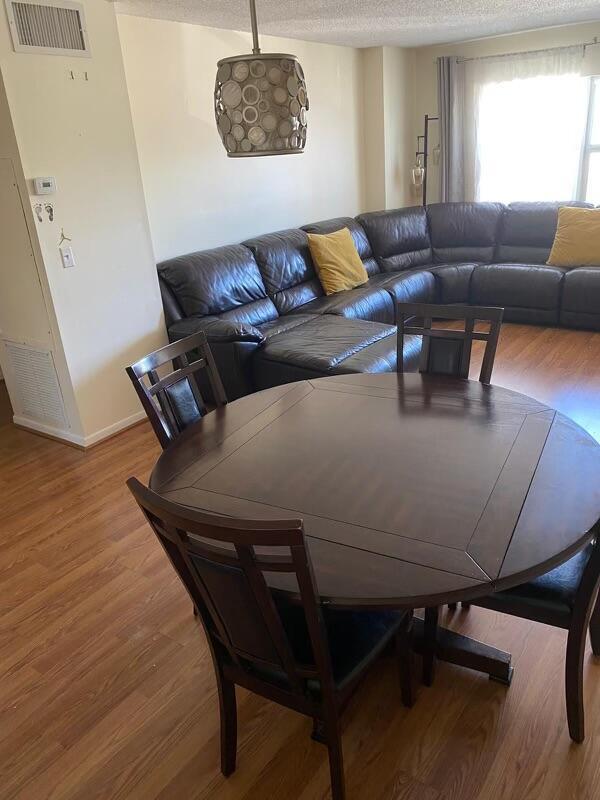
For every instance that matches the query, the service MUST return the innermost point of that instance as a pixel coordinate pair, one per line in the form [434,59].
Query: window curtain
[519,126]
[451,74]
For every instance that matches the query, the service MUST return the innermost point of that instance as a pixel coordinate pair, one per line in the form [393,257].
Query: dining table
[415,490]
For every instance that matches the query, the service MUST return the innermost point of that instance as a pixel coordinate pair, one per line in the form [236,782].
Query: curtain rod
[531,52]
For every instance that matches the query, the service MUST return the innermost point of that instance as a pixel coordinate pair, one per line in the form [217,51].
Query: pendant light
[261,102]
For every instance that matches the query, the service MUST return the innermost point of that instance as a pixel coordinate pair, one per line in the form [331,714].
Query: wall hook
[63,238]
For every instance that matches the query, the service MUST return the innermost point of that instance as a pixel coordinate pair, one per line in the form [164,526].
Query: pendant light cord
[254,23]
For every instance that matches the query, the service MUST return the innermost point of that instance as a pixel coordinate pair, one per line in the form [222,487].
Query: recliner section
[268,320]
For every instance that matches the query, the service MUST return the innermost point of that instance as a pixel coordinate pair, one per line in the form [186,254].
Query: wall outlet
[67,257]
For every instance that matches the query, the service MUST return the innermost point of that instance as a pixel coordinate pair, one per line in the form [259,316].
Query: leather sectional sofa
[269,322]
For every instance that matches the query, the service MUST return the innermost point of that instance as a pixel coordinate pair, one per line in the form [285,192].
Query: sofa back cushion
[213,282]
[361,242]
[399,238]
[527,231]
[286,267]
[464,231]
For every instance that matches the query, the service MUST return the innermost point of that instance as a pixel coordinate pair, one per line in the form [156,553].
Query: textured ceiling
[377,22]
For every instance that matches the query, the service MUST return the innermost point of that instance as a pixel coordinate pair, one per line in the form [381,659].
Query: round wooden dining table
[415,490]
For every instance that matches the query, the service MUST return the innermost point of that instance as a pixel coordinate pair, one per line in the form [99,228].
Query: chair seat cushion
[354,637]
[553,593]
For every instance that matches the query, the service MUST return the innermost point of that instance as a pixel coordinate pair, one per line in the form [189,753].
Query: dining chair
[448,351]
[565,597]
[301,654]
[174,401]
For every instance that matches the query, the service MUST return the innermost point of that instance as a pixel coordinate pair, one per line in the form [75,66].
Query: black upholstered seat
[552,594]
[353,637]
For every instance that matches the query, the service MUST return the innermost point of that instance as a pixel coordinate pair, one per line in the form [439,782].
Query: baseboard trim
[112,430]
[49,431]
[73,439]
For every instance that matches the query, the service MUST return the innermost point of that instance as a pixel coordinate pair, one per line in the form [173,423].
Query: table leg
[465,652]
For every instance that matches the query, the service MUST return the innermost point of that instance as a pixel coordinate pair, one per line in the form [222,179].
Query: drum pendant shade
[261,102]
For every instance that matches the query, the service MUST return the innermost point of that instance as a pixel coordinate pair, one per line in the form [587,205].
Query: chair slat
[174,400]
[458,362]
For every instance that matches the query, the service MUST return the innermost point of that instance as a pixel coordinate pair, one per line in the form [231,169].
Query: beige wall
[426,78]
[80,131]
[399,111]
[196,196]
[388,75]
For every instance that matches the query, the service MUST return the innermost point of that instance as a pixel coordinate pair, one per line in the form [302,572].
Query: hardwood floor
[106,687]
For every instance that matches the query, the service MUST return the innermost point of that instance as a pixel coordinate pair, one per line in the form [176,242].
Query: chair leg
[336,760]
[430,644]
[228,712]
[404,642]
[595,627]
[574,683]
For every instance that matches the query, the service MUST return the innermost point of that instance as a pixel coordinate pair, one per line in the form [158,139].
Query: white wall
[196,196]
[80,131]
[26,309]
[426,76]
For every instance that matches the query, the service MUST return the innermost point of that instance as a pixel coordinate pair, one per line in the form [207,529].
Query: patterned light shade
[261,104]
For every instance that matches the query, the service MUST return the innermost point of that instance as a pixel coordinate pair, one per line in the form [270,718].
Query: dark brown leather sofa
[269,322]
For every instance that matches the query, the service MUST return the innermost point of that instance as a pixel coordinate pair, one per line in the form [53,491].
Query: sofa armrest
[217,330]
[232,343]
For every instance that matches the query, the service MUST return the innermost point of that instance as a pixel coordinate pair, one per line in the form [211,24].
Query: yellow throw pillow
[577,240]
[337,261]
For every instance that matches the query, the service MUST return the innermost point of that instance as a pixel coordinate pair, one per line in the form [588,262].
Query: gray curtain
[450,74]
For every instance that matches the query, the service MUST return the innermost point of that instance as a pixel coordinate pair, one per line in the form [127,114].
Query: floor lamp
[420,170]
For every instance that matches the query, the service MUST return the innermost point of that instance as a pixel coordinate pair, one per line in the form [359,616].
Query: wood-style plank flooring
[106,685]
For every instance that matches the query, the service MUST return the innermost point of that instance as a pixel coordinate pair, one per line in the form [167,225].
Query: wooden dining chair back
[172,401]
[278,650]
[448,351]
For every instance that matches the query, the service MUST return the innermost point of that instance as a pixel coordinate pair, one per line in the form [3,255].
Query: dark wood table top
[415,490]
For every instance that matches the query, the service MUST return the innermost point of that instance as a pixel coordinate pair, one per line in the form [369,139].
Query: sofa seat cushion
[453,282]
[464,231]
[519,286]
[399,238]
[367,302]
[330,345]
[411,286]
[580,306]
[283,324]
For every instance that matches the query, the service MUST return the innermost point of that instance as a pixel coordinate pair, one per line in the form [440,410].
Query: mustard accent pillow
[577,239]
[337,261]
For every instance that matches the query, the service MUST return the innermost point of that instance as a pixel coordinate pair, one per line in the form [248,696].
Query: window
[529,139]
[589,180]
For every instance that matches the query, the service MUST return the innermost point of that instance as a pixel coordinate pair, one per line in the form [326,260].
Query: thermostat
[44,185]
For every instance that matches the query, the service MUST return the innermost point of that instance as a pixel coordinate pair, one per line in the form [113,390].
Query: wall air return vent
[37,388]
[43,26]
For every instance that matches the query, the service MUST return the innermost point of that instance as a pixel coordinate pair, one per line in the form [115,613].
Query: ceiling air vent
[46,27]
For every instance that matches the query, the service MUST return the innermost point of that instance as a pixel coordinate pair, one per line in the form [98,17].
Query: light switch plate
[66,254]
